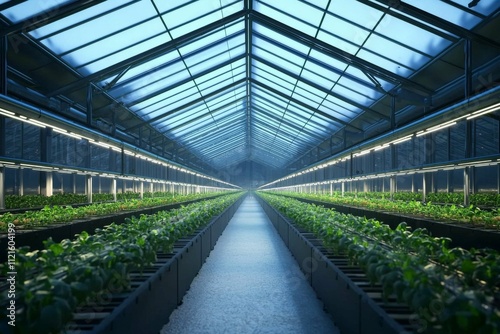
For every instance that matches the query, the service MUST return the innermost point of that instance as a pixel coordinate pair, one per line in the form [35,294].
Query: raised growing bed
[346,293]
[462,235]
[34,238]
[156,291]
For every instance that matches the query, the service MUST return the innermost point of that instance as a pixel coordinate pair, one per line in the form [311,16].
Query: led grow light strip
[484,111]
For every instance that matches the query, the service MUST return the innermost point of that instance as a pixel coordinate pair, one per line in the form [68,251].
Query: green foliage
[446,213]
[452,289]
[54,281]
[56,214]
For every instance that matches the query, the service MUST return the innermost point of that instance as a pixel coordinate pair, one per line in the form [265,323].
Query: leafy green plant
[446,213]
[54,281]
[418,269]
[50,215]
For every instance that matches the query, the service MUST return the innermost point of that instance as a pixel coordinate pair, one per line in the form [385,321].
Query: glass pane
[447,12]
[305,18]
[416,37]
[28,9]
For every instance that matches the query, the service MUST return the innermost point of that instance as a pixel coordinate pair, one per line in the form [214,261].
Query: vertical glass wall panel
[441,146]
[80,182]
[11,181]
[31,142]
[31,180]
[457,141]
[486,136]
[440,181]
[486,179]
[13,138]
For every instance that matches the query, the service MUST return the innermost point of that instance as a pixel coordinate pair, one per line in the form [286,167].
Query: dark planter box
[34,238]
[462,235]
[189,263]
[341,287]
[153,301]
[155,293]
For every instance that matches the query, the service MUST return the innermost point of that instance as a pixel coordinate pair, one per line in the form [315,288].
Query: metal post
[392,186]
[3,65]
[88,188]
[2,187]
[113,189]
[466,187]
[49,184]
[142,189]
[21,181]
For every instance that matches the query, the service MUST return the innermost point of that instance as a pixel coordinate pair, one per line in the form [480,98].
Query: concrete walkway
[250,283]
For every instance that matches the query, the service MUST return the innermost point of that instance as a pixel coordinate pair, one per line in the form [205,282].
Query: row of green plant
[33,201]
[63,214]
[452,290]
[484,199]
[52,283]
[455,213]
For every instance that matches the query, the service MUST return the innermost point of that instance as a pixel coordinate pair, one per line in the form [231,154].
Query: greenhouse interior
[255,166]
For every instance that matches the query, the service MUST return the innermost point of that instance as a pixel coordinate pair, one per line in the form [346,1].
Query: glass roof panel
[272,77]
[144,72]
[197,14]
[327,60]
[307,97]
[276,55]
[213,37]
[413,36]
[106,61]
[396,52]
[264,33]
[484,7]
[212,60]
[357,13]
[448,12]
[359,89]
[91,13]
[71,37]
[352,95]
[29,9]
[319,75]
[343,30]
[299,15]
[151,83]
[175,97]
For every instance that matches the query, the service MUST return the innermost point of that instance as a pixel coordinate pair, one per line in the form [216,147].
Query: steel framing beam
[200,99]
[323,89]
[50,16]
[147,55]
[337,53]
[302,104]
[275,106]
[432,19]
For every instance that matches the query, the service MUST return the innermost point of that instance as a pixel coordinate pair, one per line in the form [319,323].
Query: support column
[113,189]
[48,189]
[3,64]
[90,110]
[466,187]
[88,188]
[142,189]
[20,173]
[2,187]
[392,186]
